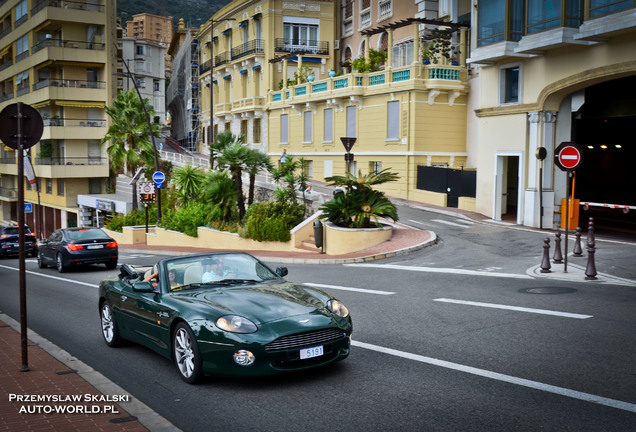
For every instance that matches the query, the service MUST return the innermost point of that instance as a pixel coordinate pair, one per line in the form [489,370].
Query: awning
[5,50]
[79,104]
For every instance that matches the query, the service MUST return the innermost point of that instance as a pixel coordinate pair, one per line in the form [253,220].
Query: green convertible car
[224,314]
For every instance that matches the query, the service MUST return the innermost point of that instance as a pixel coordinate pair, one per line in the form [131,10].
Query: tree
[220,194]
[189,182]
[233,159]
[286,175]
[223,140]
[256,161]
[129,136]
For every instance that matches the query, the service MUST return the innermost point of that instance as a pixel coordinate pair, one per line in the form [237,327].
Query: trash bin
[318,233]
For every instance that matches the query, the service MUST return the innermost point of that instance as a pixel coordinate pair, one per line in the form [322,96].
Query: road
[460,336]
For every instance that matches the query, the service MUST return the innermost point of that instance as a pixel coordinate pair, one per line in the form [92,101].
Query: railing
[8,192]
[6,64]
[71,160]
[205,67]
[6,97]
[66,43]
[301,47]
[73,122]
[221,59]
[69,83]
[93,7]
[251,47]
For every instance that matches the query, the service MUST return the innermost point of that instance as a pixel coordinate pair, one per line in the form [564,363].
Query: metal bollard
[590,231]
[558,256]
[590,270]
[577,243]
[545,262]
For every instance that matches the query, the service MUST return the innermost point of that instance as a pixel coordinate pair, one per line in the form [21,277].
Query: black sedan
[9,241]
[67,247]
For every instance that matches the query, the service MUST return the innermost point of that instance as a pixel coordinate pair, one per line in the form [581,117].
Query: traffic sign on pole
[158,177]
[568,156]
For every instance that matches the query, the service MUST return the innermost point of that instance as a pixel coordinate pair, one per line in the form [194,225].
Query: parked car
[67,247]
[246,320]
[9,244]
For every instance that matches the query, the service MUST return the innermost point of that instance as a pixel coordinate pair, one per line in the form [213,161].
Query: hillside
[193,12]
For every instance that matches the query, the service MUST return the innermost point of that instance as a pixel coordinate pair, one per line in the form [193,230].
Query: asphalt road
[459,336]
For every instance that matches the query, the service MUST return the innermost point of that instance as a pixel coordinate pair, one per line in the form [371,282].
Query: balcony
[67,122]
[301,47]
[66,43]
[81,84]
[66,5]
[415,77]
[8,193]
[71,161]
[248,48]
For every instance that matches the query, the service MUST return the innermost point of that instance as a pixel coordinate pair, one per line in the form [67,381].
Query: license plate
[94,246]
[311,352]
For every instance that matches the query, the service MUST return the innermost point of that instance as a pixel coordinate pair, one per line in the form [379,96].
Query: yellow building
[58,57]
[279,80]
[543,78]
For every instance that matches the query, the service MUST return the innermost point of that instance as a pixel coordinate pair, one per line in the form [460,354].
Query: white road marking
[53,277]
[612,403]
[514,308]
[337,287]
[442,270]
[449,223]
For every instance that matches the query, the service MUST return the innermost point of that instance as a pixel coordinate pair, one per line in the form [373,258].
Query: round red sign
[569,157]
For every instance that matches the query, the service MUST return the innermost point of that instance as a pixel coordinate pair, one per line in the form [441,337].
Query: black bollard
[590,270]
[545,262]
[577,243]
[558,256]
[590,231]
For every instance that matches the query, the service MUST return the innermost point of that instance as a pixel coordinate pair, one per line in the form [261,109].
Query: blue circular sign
[158,177]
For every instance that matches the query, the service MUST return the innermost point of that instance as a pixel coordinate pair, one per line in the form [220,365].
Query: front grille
[305,339]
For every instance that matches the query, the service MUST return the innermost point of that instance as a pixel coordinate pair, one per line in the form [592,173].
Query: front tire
[187,356]
[110,331]
[59,263]
[41,261]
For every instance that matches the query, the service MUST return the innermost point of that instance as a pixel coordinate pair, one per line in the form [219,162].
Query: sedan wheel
[109,326]
[186,354]
[59,263]
[41,261]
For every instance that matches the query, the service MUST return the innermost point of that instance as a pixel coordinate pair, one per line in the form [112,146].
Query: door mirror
[282,271]
[144,287]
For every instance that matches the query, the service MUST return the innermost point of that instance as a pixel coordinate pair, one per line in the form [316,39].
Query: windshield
[15,230]
[215,269]
[86,234]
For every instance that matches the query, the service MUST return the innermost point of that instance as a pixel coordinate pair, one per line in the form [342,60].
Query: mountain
[193,12]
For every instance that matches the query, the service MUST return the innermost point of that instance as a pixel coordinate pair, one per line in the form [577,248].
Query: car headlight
[236,324]
[338,308]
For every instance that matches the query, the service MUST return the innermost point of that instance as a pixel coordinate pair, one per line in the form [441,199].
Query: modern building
[58,57]
[155,28]
[145,60]
[548,73]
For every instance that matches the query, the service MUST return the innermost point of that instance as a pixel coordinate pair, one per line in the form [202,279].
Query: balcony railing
[69,83]
[8,192]
[71,161]
[301,47]
[251,47]
[92,6]
[221,59]
[65,43]
[205,67]
[66,122]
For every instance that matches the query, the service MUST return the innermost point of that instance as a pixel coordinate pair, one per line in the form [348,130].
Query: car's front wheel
[59,263]
[186,354]
[41,261]
[109,326]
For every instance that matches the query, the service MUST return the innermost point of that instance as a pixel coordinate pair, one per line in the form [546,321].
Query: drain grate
[123,419]
[547,290]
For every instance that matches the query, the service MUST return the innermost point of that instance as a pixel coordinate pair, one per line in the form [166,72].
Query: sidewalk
[61,393]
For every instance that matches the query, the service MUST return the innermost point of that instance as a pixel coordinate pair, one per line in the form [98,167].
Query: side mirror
[282,271]
[143,287]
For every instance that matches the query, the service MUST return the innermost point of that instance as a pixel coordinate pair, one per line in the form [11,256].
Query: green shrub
[134,218]
[271,221]
[185,219]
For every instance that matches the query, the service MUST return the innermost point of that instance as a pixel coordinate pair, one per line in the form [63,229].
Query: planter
[339,240]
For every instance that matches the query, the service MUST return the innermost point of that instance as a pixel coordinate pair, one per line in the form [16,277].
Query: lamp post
[152,136]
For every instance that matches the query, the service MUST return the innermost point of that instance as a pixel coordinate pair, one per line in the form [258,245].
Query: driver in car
[216,271]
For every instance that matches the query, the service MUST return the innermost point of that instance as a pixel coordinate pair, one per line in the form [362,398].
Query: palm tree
[220,194]
[128,134]
[256,161]
[286,175]
[233,159]
[189,182]
[223,140]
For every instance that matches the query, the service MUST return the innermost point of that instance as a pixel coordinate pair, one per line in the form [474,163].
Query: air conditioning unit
[336,44]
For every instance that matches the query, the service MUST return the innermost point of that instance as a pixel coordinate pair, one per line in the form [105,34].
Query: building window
[351,121]
[402,54]
[393,120]
[365,14]
[385,9]
[284,128]
[256,132]
[139,49]
[299,36]
[605,7]
[60,187]
[244,129]
[509,83]
[543,15]
[375,167]
[49,186]
[328,131]
[495,26]
[21,10]
[155,85]
[94,185]
[308,168]
[307,123]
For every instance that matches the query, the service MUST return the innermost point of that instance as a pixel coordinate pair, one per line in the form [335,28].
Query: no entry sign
[567,156]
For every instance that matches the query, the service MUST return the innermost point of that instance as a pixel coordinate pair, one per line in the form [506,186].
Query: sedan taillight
[74,247]
[112,244]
